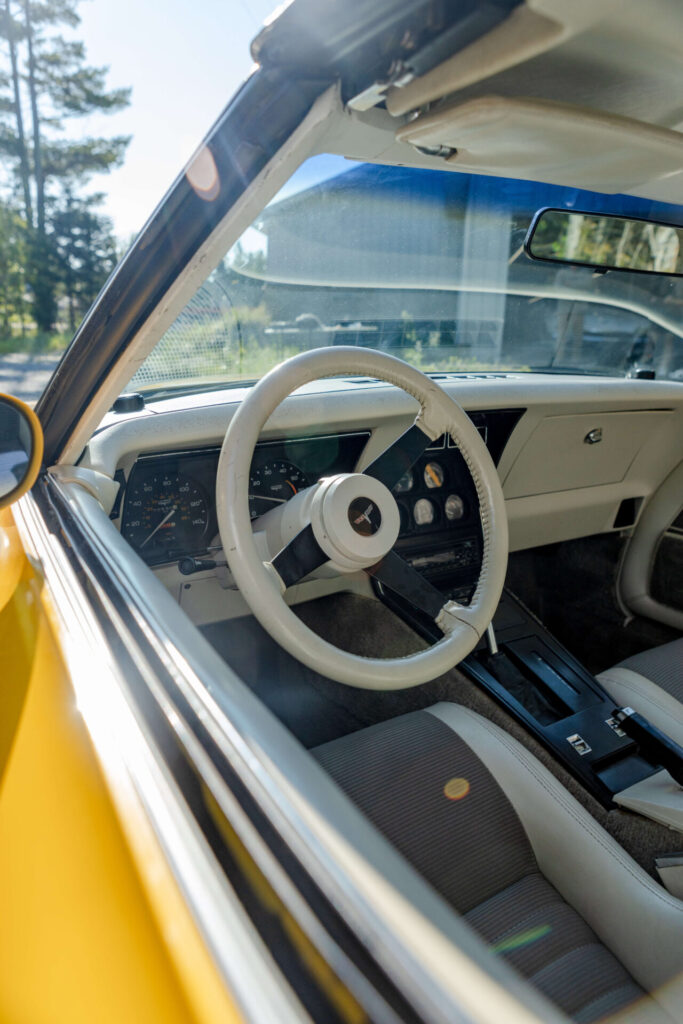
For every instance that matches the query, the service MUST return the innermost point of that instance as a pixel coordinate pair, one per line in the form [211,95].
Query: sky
[183,60]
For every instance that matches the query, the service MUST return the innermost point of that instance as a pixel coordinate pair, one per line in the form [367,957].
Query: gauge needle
[158,527]
[433,476]
[265,497]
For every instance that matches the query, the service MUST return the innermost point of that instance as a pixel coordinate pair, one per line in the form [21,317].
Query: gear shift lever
[503,669]
[491,639]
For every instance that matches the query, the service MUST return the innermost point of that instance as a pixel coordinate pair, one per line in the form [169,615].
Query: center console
[543,686]
[526,670]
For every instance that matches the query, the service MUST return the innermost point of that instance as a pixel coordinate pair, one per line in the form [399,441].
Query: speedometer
[272,484]
[166,514]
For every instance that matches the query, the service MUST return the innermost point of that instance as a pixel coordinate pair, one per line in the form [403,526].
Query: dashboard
[168,508]
[575,456]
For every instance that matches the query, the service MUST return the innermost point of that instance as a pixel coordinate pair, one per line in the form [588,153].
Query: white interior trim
[658,797]
[530,29]
[633,584]
[551,141]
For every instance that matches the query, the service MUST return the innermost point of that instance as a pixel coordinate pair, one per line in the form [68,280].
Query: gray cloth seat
[651,683]
[427,791]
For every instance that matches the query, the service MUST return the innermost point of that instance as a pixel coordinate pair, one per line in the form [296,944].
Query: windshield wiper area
[573,371]
[179,390]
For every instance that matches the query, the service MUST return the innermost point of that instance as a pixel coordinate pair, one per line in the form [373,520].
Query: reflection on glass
[429,266]
[404,484]
[454,507]
[15,448]
[521,939]
[433,475]
[600,240]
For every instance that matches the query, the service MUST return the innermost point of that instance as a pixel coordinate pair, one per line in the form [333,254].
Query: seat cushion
[661,665]
[432,797]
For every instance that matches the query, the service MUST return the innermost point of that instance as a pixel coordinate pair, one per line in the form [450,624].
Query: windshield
[428,265]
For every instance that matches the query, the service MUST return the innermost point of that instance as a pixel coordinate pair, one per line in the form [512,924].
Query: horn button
[355,520]
[364,516]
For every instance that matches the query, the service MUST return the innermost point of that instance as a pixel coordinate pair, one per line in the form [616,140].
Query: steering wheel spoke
[399,457]
[302,555]
[398,575]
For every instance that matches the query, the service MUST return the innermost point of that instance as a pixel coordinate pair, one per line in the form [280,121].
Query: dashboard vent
[472,376]
[455,375]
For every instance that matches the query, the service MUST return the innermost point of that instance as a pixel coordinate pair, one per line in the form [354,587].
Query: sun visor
[530,29]
[546,141]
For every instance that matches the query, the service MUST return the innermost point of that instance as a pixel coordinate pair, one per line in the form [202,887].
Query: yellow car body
[93,926]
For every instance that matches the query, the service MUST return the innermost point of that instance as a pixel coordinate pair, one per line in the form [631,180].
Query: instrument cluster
[435,492]
[168,510]
[169,506]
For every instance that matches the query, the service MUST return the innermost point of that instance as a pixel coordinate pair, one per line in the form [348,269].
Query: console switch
[579,744]
[654,744]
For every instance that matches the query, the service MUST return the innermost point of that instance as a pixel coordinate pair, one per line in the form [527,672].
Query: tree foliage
[65,246]
[85,253]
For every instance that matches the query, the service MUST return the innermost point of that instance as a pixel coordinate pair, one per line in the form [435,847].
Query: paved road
[24,375]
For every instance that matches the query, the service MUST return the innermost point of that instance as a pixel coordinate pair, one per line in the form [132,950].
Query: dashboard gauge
[272,484]
[423,512]
[454,507]
[433,475]
[405,483]
[166,513]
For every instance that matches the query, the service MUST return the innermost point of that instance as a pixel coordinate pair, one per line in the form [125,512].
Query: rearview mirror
[21,449]
[606,242]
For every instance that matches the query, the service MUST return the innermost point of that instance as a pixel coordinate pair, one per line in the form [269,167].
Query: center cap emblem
[364,516]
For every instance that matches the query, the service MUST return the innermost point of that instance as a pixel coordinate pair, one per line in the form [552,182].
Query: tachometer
[272,484]
[165,514]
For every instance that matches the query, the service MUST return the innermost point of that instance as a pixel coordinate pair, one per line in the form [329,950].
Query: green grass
[34,342]
[179,364]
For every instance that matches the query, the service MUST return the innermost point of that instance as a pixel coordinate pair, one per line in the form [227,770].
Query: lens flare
[202,174]
[456,789]
[521,939]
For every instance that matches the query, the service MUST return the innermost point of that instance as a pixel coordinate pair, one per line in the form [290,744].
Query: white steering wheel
[351,521]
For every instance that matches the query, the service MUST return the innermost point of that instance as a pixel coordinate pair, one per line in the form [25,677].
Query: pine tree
[46,82]
[12,276]
[85,252]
